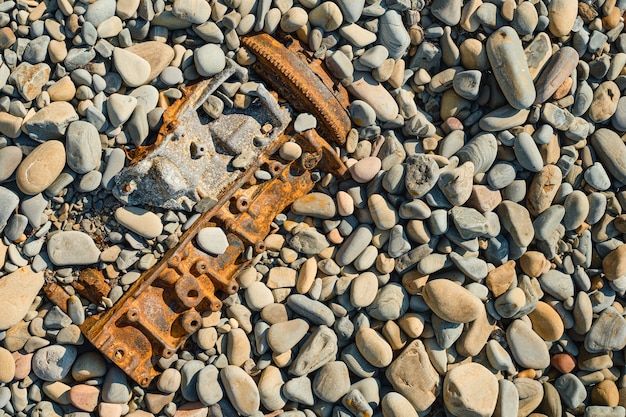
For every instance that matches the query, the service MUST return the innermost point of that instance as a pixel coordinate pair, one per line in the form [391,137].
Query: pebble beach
[472,262]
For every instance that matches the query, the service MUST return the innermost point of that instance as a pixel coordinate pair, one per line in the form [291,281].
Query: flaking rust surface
[163,307]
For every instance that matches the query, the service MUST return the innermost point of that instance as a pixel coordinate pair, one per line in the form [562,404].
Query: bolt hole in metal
[119,354]
[242,204]
[200,267]
[191,321]
[132,314]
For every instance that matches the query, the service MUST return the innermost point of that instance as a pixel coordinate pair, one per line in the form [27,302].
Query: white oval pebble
[212,240]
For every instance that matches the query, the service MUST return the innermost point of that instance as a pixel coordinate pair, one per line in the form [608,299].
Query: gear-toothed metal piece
[303,82]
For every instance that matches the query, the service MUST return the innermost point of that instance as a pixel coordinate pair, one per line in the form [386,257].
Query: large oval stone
[41,167]
[452,302]
[508,62]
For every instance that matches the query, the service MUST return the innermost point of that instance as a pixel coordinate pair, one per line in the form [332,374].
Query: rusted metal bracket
[163,307]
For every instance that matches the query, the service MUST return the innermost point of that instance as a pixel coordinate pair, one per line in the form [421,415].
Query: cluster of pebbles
[473,262]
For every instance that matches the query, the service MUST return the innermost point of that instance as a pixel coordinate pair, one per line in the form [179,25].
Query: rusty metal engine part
[163,307]
[300,79]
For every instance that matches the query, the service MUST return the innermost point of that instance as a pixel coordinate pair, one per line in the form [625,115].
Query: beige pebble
[57,391]
[396,405]
[366,88]
[543,188]
[510,303]
[562,14]
[258,295]
[62,90]
[22,364]
[281,277]
[412,324]
[274,313]
[290,151]
[318,205]
[326,16]
[374,347]
[363,289]
[394,335]
[246,277]
[413,375]
[240,389]
[41,167]
[506,56]
[158,55]
[546,322]
[452,104]
[288,255]
[57,51]
[345,204]
[452,302]
[10,125]
[469,20]
[470,389]
[475,335]
[614,264]
[365,169]
[382,211]
[17,292]
[385,264]
[133,69]
[274,242]
[238,347]
[474,55]
[7,366]
[143,222]
[294,19]
[604,103]
[110,410]
[283,336]
[84,397]
[534,263]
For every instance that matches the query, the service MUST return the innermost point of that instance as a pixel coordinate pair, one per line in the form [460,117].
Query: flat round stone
[72,248]
[212,240]
[209,60]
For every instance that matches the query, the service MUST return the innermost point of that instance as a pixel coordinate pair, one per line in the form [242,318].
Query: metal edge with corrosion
[303,82]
